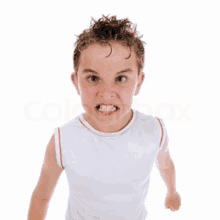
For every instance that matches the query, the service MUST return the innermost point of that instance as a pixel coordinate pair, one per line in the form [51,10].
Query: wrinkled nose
[107,92]
[107,96]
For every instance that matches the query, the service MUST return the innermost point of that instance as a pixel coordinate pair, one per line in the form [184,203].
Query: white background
[181,86]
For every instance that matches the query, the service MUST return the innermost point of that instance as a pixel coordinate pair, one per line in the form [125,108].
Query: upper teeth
[107,107]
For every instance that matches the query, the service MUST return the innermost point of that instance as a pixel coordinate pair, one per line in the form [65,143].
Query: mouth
[98,107]
[106,113]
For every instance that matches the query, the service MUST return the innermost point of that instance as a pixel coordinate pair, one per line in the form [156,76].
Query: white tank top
[109,173]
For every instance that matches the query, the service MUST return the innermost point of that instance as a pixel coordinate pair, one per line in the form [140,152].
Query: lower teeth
[106,111]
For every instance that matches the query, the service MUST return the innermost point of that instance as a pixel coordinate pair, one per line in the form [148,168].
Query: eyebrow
[88,70]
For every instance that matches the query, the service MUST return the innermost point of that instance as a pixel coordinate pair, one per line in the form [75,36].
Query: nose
[107,96]
[107,92]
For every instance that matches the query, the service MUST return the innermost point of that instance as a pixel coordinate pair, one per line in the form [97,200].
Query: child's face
[107,86]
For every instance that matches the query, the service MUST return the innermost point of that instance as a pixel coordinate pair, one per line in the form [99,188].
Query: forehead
[95,57]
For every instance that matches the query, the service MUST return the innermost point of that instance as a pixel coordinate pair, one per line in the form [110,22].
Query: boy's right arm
[43,192]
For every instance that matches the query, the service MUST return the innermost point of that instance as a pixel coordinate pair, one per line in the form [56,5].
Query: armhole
[58,147]
[163,133]
[162,140]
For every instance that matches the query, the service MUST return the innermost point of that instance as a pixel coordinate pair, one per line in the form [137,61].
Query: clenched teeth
[107,108]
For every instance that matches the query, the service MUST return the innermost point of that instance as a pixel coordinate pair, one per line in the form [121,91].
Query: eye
[93,76]
[123,77]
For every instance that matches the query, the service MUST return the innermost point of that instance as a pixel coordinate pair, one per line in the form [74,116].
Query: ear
[74,79]
[139,83]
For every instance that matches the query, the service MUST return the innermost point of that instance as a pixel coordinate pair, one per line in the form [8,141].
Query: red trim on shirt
[60,149]
[162,131]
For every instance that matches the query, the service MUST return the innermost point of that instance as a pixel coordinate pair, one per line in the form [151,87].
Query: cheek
[126,93]
[86,89]
[88,96]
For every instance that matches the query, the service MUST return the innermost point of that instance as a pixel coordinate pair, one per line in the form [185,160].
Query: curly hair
[107,30]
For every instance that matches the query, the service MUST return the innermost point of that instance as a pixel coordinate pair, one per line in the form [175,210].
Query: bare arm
[43,192]
[170,179]
[38,209]
[166,168]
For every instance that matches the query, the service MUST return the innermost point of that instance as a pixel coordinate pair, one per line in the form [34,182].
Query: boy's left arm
[167,171]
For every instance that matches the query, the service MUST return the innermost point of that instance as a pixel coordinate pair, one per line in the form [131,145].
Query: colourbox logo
[177,112]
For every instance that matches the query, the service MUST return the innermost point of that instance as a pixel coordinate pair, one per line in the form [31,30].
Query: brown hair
[107,30]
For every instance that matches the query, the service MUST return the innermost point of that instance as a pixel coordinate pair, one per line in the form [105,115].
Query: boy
[108,151]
